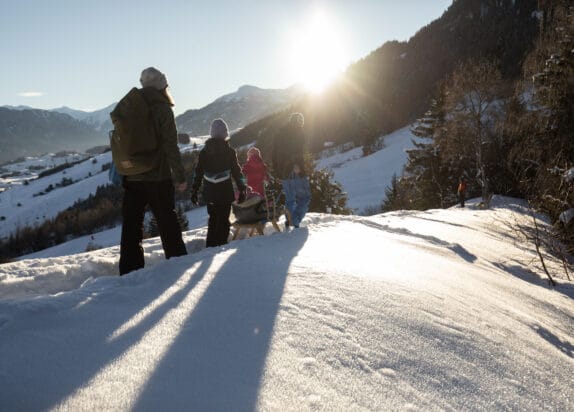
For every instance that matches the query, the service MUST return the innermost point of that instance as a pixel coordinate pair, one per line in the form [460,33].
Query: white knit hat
[152,77]
[297,118]
[219,129]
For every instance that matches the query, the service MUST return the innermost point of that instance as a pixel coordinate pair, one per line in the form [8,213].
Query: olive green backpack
[133,140]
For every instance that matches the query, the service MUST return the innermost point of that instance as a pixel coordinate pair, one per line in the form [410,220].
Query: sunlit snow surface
[436,310]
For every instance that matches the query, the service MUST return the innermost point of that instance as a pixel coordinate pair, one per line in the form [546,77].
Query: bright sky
[86,55]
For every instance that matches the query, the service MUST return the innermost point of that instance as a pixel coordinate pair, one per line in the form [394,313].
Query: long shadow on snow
[455,247]
[528,275]
[217,361]
[563,346]
[74,357]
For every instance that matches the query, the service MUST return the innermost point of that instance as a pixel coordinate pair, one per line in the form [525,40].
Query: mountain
[99,119]
[393,85]
[242,107]
[20,107]
[30,132]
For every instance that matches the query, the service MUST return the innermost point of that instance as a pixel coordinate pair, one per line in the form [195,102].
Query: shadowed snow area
[443,309]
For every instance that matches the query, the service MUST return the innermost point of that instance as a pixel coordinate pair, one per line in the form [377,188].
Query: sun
[317,53]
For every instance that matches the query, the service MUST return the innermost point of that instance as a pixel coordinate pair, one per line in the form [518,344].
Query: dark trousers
[160,197]
[218,224]
[461,196]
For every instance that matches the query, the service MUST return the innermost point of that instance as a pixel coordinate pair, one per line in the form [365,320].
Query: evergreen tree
[152,230]
[396,196]
[545,152]
[424,172]
[182,218]
[472,96]
[327,195]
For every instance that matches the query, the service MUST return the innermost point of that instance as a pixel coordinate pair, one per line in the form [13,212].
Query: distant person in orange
[461,190]
[255,170]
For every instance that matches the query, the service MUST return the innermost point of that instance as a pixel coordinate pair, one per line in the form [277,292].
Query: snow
[365,179]
[35,208]
[569,175]
[434,310]
[409,310]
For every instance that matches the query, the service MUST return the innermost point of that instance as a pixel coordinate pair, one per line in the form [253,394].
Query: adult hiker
[145,152]
[216,166]
[289,166]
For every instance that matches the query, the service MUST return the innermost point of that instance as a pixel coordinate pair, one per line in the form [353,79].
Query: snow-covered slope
[366,178]
[26,205]
[435,310]
[363,178]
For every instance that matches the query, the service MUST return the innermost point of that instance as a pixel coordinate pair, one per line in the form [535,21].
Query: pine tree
[152,229]
[396,196]
[424,173]
[327,195]
[545,154]
[182,219]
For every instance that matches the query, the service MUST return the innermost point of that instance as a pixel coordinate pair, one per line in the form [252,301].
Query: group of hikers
[154,184]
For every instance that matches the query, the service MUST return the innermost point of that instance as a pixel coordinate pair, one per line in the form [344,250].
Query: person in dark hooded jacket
[289,165]
[216,166]
[156,186]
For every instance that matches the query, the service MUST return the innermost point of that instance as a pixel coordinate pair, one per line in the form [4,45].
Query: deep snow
[443,309]
[435,310]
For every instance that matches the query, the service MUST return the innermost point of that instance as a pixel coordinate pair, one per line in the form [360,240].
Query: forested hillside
[394,84]
[505,137]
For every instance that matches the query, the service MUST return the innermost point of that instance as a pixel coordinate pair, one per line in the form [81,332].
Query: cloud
[31,94]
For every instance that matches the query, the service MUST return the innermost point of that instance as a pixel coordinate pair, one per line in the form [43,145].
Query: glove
[194,199]
[241,197]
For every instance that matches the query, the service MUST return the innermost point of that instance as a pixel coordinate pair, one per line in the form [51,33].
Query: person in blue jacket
[288,159]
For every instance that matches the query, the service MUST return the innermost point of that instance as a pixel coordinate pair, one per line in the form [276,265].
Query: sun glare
[317,55]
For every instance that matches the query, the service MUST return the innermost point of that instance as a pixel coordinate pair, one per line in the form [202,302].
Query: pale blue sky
[87,54]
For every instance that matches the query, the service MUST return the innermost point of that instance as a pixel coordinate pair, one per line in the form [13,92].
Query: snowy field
[436,310]
[365,179]
[31,204]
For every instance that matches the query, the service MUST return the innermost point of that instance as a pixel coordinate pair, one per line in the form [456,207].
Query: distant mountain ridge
[99,119]
[25,131]
[246,105]
[29,132]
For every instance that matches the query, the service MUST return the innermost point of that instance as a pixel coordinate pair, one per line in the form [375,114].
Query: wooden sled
[252,228]
[257,228]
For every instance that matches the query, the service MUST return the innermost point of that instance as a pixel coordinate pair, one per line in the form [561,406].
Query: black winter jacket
[216,165]
[169,165]
[288,150]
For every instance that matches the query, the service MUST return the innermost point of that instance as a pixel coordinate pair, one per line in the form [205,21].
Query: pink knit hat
[253,151]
